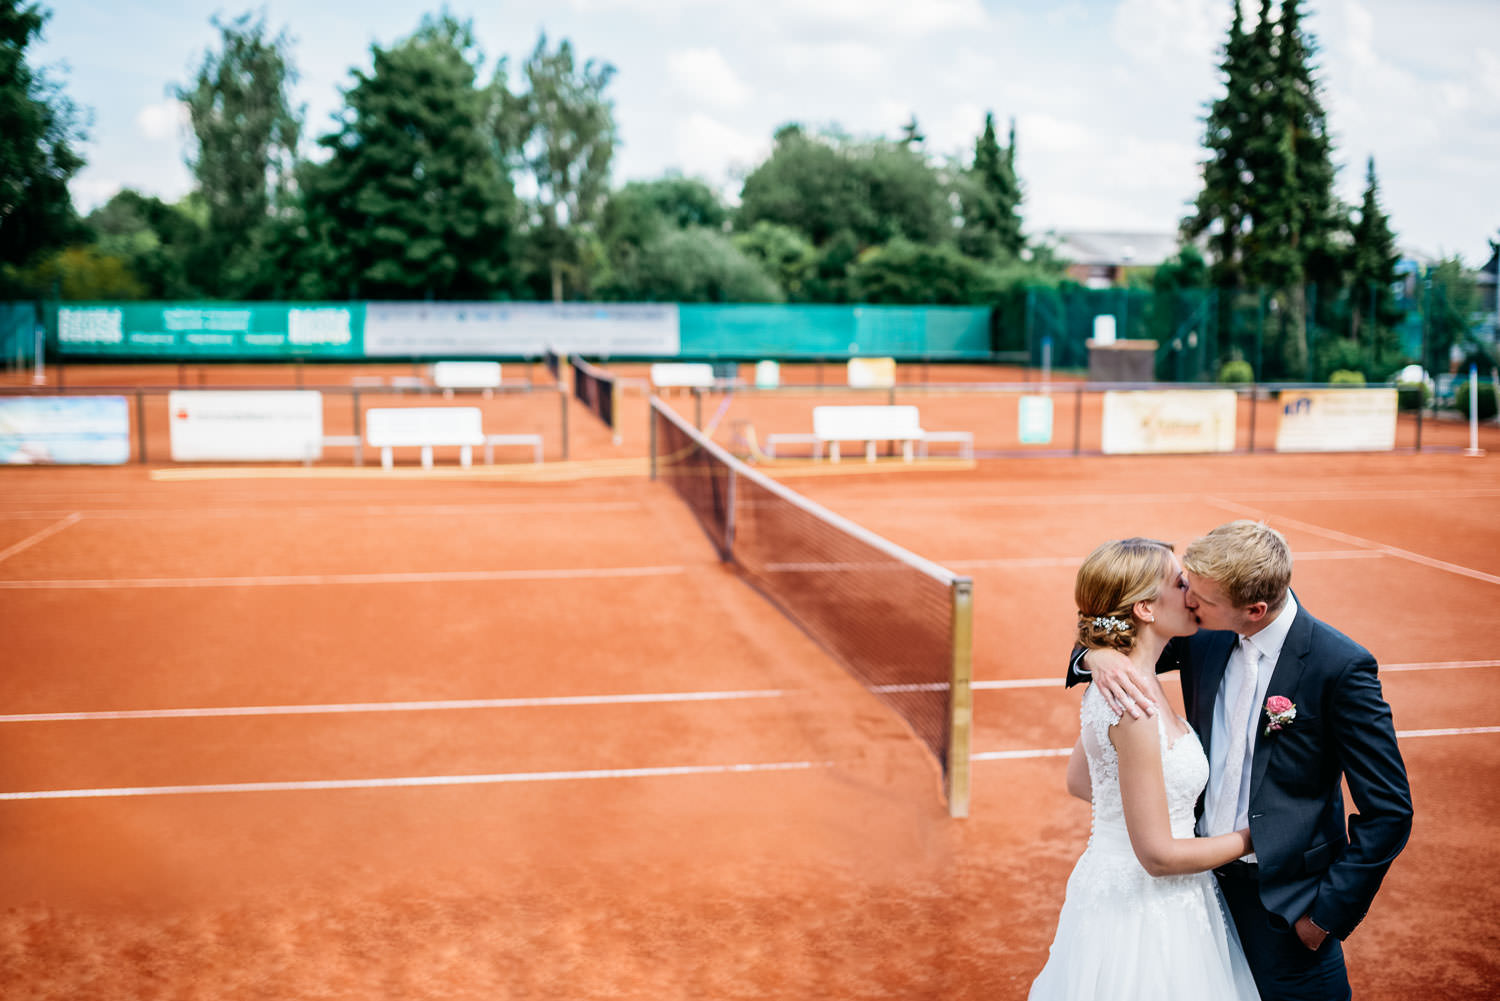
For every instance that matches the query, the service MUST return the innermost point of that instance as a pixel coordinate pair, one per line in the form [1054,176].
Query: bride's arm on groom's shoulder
[1079,783]
[1114,675]
[1147,815]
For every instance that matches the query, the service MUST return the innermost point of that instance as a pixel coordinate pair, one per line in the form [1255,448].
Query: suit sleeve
[1171,659]
[1365,736]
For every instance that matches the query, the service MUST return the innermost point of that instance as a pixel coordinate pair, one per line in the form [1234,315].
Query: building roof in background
[1128,249]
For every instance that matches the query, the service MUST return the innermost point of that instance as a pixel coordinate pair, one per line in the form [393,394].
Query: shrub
[1412,395]
[1486,399]
[1346,377]
[1236,371]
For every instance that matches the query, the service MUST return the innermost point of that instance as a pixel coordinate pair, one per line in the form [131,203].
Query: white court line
[395,707]
[338,510]
[316,580]
[441,705]
[417,780]
[1355,540]
[1058,752]
[45,533]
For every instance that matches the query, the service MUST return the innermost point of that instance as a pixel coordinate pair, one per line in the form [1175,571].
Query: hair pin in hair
[1110,623]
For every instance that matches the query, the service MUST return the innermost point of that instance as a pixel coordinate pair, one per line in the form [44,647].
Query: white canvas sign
[250,426]
[1169,421]
[1337,420]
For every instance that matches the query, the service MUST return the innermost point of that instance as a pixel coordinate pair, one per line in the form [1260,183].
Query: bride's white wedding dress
[1124,933]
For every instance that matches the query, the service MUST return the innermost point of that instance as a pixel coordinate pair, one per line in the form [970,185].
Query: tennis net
[901,624]
[599,391]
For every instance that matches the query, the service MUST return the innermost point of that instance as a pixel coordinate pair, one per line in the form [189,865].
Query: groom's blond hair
[1250,560]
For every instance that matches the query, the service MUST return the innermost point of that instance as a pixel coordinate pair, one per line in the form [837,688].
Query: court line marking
[316,580]
[553,701]
[387,707]
[1355,540]
[45,533]
[1059,752]
[416,781]
[1021,500]
[336,510]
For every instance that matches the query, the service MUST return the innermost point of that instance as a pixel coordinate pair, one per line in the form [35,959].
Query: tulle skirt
[1124,934]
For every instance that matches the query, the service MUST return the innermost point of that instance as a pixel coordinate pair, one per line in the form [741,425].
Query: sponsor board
[1337,420]
[1035,420]
[872,373]
[64,430]
[1148,421]
[248,426]
[520,329]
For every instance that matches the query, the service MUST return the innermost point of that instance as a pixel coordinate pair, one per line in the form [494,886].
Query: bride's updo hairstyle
[1113,578]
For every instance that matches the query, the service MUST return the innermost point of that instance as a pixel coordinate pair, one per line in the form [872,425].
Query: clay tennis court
[353,736]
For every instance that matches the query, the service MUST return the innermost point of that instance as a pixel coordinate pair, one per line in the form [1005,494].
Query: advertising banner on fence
[64,430]
[520,329]
[1035,420]
[1169,421]
[189,330]
[872,373]
[246,426]
[1337,420]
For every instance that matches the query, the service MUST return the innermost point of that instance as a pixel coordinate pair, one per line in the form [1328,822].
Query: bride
[1142,917]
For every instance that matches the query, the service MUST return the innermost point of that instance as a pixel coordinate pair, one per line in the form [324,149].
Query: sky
[1108,96]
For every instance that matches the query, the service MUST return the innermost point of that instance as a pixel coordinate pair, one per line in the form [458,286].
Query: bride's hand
[1114,675]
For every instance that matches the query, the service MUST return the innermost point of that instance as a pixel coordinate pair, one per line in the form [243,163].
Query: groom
[1287,707]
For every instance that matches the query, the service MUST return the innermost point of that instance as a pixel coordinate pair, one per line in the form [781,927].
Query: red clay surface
[842,879]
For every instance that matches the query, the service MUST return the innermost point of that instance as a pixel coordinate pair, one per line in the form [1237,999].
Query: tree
[160,244]
[38,130]
[784,254]
[1373,273]
[1449,301]
[905,272]
[246,135]
[565,129]
[695,264]
[826,185]
[639,216]
[990,198]
[412,201]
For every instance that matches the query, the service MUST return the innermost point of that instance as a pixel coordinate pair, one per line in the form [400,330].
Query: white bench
[869,424]
[451,375]
[423,427]
[686,374]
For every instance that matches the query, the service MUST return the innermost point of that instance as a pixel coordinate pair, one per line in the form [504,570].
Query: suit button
[1256,816]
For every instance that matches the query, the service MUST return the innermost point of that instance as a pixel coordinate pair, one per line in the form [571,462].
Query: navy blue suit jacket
[1310,863]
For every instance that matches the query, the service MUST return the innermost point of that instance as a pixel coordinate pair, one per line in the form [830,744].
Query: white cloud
[846,60]
[1194,31]
[891,17]
[706,147]
[162,121]
[1046,134]
[706,75]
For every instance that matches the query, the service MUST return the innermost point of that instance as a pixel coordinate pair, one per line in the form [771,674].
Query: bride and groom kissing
[1219,863]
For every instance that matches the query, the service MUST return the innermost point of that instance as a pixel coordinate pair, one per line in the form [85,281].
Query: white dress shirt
[1268,641]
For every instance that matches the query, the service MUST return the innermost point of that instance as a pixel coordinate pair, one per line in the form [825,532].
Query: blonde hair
[1250,560]
[1113,578]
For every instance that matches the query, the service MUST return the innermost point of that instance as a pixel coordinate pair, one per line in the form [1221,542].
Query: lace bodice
[1184,768]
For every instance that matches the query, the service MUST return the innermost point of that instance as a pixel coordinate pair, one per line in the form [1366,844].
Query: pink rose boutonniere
[1280,710]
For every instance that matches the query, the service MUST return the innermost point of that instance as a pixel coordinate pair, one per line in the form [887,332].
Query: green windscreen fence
[18,321]
[782,331]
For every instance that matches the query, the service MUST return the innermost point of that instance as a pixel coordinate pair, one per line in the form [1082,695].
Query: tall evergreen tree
[246,133]
[1373,272]
[413,201]
[990,198]
[38,130]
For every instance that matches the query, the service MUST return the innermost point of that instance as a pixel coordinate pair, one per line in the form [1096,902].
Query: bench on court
[388,428]
[869,424]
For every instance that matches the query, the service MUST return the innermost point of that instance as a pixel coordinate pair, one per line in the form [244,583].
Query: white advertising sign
[250,426]
[872,373]
[520,329]
[1035,420]
[38,430]
[1337,420]
[466,374]
[1169,421]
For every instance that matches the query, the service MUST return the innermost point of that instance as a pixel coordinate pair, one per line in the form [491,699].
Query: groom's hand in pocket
[1311,935]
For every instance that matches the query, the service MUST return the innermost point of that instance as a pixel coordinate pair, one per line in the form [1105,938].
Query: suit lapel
[1284,680]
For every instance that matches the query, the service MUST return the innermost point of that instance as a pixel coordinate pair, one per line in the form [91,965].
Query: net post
[729,513]
[614,409]
[960,697]
[651,417]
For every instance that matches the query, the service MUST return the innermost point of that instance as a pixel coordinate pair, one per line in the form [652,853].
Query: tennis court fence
[901,624]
